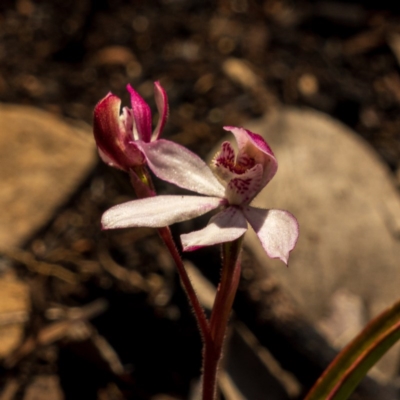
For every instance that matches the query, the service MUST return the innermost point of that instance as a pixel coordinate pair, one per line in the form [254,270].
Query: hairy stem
[202,321]
[220,316]
[143,185]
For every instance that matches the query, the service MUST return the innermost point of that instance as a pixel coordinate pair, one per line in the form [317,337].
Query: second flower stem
[213,331]
[220,315]
[143,185]
[202,321]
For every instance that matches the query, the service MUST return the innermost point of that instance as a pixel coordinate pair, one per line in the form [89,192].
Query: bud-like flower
[116,133]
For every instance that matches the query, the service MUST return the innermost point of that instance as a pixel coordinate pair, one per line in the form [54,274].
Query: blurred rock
[345,320]
[113,55]
[14,309]
[349,214]
[42,161]
[44,387]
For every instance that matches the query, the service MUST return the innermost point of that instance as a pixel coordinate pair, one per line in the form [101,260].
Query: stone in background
[348,209]
[42,161]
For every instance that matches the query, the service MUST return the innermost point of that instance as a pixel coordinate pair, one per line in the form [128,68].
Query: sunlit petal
[223,163]
[277,230]
[159,211]
[225,226]
[242,189]
[174,163]
[254,149]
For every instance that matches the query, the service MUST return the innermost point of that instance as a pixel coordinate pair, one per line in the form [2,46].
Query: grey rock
[348,209]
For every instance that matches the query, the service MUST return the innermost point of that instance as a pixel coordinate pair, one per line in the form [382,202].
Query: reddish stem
[220,316]
[202,321]
[213,332]
[143,185]
[210,369]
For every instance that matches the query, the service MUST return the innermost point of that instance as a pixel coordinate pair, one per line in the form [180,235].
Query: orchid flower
[232,183]
[116,133]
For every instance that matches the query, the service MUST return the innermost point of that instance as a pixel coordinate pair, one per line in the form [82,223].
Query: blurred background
[95,315]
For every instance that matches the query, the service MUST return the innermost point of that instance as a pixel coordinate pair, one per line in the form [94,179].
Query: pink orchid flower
[116,134]
[232,183]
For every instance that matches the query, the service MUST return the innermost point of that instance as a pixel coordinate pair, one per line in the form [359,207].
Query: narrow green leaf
[351,365]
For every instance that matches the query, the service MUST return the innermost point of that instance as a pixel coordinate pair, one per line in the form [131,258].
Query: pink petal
[141,114]
[277,230]
[253,146]
[162,107]
[111,140]
[126,123]
[226,226]
[108,160]
[156,212]
[175,164]
[242,189]
[223,163]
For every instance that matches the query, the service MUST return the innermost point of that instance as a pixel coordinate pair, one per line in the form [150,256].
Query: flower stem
[202,321]
[220,315]
[213,331]
[143,185]
[210,369]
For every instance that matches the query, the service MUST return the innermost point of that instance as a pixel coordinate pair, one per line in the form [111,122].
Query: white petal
[277,230]
[226,226]
[159,211]
[223,163]
[253,146]
[242,189]
[175,164]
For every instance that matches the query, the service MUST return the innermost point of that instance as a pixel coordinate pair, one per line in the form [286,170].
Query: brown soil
[64,56]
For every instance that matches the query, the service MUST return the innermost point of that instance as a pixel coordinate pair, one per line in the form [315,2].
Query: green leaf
[351,365]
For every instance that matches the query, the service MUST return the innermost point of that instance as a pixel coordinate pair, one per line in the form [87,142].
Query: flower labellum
[231,183]
[116,134]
